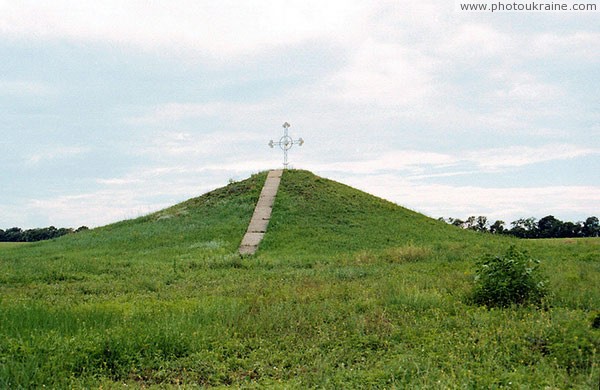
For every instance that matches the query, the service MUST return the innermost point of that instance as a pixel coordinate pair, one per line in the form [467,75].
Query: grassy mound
[347,290]
[313,216]
[199,229]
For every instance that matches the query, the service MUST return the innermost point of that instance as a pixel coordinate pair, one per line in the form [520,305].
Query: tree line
[17,234]
[547,227]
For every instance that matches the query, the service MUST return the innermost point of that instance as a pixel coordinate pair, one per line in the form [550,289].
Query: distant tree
[497,227]
[471,223]
[570,229]
[531,225]
[546,227]
[14,234]
[482,224]
[84,228]
[457,222]
[550,227]
[524,228]
[591,227]
[32,235]
[52,232]
[63,232]
[519,223]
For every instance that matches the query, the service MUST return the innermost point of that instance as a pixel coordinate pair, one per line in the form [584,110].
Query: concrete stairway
[262,214]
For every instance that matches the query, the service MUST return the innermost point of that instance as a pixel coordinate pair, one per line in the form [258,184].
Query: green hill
[347,290]
[313,216]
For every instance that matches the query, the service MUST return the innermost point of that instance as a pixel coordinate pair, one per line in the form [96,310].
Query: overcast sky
[112,109]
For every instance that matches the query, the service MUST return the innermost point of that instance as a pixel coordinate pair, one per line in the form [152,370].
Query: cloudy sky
[112,109]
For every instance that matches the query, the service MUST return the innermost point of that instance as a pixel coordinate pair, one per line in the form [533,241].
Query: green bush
[514,278]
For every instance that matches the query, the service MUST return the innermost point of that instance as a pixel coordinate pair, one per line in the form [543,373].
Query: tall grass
[341,299]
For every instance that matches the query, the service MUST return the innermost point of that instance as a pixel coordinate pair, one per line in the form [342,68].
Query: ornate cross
[285,143]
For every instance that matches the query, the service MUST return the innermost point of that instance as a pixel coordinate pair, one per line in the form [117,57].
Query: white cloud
[485,160]
[579,45]
[93,209]
[522,88]
[204,144]
[56,152]
[171,112]
[517,156]
[26,88]
[217,29]
[398,68]
[508,204]
[410,160]
[475,41]
[384,74]
[118,181]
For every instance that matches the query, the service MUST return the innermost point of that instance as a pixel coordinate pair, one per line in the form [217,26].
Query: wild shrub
[513,278]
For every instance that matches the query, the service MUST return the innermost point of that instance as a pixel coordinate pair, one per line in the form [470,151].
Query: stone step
[261,214]
[258,226]
[247,249]
[252,239]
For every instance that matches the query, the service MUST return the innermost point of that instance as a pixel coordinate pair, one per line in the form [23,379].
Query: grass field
[4,245]
[346,291]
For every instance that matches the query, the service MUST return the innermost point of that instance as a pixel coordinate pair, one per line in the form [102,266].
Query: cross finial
[285,143]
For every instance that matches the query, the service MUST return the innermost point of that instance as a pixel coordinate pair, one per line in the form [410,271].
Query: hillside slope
[314,216]
[199,230]
[347,291]
[313,219]
[315,213]
[311,216]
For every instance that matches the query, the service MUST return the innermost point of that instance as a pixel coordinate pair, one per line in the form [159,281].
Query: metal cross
[285,143]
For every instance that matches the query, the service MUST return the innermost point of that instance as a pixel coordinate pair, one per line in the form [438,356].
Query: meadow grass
[346,291]
[4,245]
